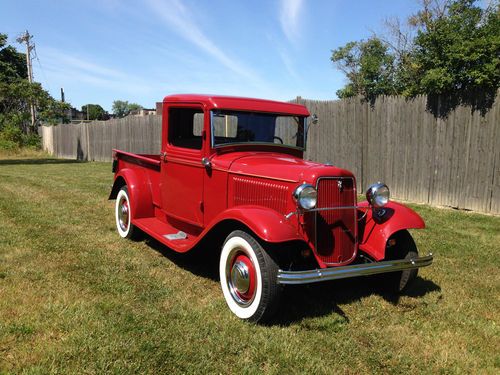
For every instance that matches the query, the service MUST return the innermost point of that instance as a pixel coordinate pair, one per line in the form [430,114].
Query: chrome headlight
[306,196]
[378,194]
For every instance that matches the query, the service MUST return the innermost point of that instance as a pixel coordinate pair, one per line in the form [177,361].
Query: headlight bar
[289,215]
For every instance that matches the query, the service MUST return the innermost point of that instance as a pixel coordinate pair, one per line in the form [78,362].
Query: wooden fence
[452,161]
[94,141]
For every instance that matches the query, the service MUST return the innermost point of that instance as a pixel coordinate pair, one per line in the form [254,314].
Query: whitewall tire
[123,215]
[248,278]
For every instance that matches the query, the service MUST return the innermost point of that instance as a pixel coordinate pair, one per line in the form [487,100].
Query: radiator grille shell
[335,234]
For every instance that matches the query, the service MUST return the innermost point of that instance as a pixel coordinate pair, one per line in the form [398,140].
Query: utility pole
[26,38]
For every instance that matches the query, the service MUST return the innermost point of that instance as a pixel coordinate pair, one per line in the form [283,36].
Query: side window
[185,127]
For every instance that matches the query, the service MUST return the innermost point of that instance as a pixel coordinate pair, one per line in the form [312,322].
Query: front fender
[139,190]
[268,224]
[374,231]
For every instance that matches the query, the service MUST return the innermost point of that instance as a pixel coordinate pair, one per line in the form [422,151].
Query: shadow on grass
[320,299]
[38,161]
[301,301]
[200,263]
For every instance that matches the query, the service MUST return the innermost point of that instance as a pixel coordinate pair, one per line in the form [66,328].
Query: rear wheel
[248,277]
[123,215]
[404,248]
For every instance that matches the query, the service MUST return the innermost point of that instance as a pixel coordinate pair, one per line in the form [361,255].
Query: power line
[41,69]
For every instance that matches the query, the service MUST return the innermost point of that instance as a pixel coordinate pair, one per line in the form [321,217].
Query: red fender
[374,231]
[139,190]
[268,224]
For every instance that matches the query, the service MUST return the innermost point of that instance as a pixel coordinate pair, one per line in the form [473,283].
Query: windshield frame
[302,118]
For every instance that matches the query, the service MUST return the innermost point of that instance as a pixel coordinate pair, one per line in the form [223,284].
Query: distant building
[76,115]
[143,112]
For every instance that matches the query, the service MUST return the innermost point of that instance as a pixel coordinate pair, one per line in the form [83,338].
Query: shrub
[12,134]
[8,145]
[33,141]
[11,138]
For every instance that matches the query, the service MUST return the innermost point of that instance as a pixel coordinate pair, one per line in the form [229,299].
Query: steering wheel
[278,138]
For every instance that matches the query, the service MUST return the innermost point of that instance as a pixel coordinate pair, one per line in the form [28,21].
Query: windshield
[231,127]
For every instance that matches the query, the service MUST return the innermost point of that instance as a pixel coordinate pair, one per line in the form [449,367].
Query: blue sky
[140,51]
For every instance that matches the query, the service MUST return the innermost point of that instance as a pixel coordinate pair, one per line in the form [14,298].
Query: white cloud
[64,69]
[181,20]
[290,11]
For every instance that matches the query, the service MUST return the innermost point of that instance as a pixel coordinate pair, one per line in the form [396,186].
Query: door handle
[163,156]
[206,163]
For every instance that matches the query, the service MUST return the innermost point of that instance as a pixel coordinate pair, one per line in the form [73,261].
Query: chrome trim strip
[335,273]
[335,208]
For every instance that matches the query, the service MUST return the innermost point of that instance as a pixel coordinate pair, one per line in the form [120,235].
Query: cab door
[181,171]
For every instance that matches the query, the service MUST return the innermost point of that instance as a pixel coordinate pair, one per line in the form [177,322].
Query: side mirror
[314,120]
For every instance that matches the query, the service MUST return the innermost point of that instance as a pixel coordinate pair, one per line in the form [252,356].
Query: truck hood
[279,166]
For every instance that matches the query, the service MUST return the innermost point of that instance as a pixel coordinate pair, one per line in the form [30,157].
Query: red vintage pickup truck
[231,178]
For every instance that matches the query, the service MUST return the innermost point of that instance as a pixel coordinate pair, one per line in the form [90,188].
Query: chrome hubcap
[123,214]
[240,277]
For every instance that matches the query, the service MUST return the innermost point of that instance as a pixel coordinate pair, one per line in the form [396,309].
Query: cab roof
[238,103]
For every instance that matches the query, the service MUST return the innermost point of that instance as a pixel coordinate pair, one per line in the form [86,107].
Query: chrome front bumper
[335,273]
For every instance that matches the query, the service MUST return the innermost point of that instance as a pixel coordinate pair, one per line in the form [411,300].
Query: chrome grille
[336,230]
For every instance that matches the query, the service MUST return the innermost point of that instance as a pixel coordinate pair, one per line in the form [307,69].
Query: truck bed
[145,167]
[145,160]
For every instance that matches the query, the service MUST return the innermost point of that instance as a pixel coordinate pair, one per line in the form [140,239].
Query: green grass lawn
[75,298]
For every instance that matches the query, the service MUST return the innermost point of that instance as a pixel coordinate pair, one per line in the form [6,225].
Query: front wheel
[404,248]
[248,277]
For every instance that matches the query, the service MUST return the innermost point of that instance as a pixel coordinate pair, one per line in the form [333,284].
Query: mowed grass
[75,298]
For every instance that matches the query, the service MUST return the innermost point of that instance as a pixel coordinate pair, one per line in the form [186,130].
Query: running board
[179,241]
[365,269]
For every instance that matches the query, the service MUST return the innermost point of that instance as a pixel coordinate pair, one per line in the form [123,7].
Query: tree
[17,93]
[12,63]
[122,108]
[456,49]
[134,107]
[55,112]
[94,112]
[449,47]
[368,66]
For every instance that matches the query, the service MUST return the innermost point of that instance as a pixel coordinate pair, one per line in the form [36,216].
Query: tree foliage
[16,94]
[458,49]
[94,112]
[122,108]
[448,47]
[368,66]
[12,63]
